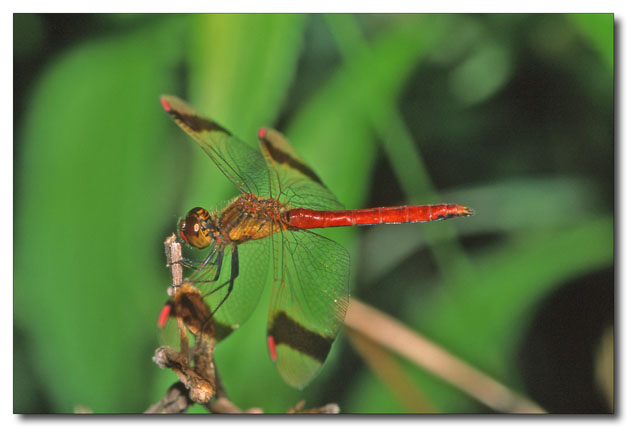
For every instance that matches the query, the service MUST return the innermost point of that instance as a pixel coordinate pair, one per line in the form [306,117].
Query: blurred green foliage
[509,114]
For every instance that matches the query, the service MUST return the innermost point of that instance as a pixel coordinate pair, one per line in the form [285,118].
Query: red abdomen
[309,218]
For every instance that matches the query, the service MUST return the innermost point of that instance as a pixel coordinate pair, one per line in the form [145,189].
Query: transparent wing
[291,180]
[309,301]
[241,164]
[252,275]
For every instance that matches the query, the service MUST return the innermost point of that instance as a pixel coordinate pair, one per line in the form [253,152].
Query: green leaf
[481,314]
[90,202]
[598,30]
[505,282]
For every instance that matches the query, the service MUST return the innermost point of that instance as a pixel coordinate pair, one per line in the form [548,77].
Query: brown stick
[175,401]
[390,333]
[174,255]
[199,381]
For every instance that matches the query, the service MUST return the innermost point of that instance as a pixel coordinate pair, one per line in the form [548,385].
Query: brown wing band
[221,331]
[286,330]
[195,314]
[197,124]
[282,157]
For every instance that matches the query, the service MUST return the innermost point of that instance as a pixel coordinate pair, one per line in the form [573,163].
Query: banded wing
[243,165]
[308,305]
[291,180]
[252,274]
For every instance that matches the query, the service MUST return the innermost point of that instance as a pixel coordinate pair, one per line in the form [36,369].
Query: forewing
[291,180]
[254,259]
[243,165]
[309,301]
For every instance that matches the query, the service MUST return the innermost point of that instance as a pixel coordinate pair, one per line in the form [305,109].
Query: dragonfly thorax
[197,228]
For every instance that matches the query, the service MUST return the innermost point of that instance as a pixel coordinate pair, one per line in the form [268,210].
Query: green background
[509,114]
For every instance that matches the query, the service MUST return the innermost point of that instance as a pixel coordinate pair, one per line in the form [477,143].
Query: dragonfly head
[195,228]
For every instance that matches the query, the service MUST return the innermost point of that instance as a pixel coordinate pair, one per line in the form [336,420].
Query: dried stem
[388,367]
[175,401]
[396,337]
[198,380]
[174,255]
[197,377]
[329,408]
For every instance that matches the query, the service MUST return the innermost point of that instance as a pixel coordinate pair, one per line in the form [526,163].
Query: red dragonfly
[281,200]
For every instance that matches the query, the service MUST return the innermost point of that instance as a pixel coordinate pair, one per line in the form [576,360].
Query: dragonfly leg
[218,262]
[230,282]
[185,262]
[199,265]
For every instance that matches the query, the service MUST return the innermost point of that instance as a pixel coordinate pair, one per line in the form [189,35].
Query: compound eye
[182,225]
[200,213]
[193,229]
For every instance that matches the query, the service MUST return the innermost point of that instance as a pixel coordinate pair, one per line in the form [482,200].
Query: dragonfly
[270,223]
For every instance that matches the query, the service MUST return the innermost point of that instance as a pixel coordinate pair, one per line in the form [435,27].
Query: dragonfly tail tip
[466,211]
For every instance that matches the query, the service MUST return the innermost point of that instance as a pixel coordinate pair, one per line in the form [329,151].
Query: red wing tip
[262,133]
[164,315]
[165,104]
[272,348]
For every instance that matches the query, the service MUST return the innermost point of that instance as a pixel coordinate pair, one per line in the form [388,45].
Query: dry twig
[329,408]
[174,255]
[396,337]
[175,401]
[198,379]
